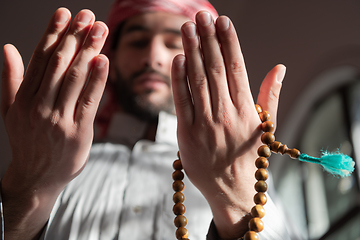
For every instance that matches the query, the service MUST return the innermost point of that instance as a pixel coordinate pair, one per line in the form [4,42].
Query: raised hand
[49,114]
[218,126]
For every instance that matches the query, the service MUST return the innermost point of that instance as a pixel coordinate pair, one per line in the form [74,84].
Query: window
[325,207]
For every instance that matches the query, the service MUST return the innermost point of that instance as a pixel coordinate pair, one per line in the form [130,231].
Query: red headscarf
[124,9]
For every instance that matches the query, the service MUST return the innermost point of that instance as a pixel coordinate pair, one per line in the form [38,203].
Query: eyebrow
[135,28]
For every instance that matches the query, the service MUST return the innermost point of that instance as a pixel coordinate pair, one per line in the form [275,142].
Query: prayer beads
[179,209]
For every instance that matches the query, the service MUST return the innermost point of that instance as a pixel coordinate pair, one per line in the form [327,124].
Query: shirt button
[137,209]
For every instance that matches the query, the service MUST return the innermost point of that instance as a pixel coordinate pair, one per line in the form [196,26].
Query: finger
[214,62]
[270,88]
[50,40]
[182,97]
[234,62]
[196,71]
[77,74]
[63,56]
[12,77]
[89,101]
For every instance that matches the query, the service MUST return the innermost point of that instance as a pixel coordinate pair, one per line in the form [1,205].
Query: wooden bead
[258,108]
[182,233]
[251,235]
[177,165]
[264,116]
[178,186]
[261,174]
[294,153]
[260,198]
[262,162]
[283,148]
[178,175]
[275,146]
[180,221]
[179,209]
[267,138]
[268,126]
[258,211]
[261,186]
[264,151]
[256,225]
[178,197]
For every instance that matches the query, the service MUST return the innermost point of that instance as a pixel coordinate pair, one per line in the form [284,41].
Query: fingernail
[204,18]
[223,23]
[179,61]
[190,30]
[84,17]
[61,18]
[100,62]
[281,74]
[98,30]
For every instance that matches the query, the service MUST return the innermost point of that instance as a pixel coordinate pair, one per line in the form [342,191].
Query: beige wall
[307,36]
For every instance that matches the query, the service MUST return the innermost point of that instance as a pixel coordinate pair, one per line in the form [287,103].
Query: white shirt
[125,192]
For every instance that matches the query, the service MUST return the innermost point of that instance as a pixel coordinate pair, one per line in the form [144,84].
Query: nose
[156,54]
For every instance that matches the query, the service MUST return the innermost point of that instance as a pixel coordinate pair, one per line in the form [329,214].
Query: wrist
[26,208]
[232,205]
[214,233]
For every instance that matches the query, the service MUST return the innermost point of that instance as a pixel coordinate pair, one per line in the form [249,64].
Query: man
[123,191]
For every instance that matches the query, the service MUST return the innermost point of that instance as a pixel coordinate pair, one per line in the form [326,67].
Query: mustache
[137,74]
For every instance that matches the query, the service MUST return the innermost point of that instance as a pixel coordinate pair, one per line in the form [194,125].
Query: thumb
[269,94]
[12,77]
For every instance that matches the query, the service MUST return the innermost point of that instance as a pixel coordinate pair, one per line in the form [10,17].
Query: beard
[139,105]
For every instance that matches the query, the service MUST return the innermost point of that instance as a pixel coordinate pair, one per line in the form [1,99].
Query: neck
[151,129]
[150,132]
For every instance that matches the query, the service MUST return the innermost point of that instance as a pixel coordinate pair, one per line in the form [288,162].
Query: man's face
[142,62]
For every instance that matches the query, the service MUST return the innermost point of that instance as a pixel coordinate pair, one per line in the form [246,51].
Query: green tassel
[335,163]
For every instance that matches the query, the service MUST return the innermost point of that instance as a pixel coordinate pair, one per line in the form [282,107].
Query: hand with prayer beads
[49,114]
[218,127]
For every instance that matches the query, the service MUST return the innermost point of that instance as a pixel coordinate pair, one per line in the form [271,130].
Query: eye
[174,44]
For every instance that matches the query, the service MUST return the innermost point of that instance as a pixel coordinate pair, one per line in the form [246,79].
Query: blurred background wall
[309,37]
[306,36]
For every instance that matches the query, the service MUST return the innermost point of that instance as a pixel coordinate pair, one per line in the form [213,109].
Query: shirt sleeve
[273,225]
[1,218]
[212,234]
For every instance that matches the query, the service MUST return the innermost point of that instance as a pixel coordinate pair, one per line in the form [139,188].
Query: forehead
[154,22]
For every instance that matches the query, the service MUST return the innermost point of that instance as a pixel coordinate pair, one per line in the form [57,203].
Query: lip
[150,80]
